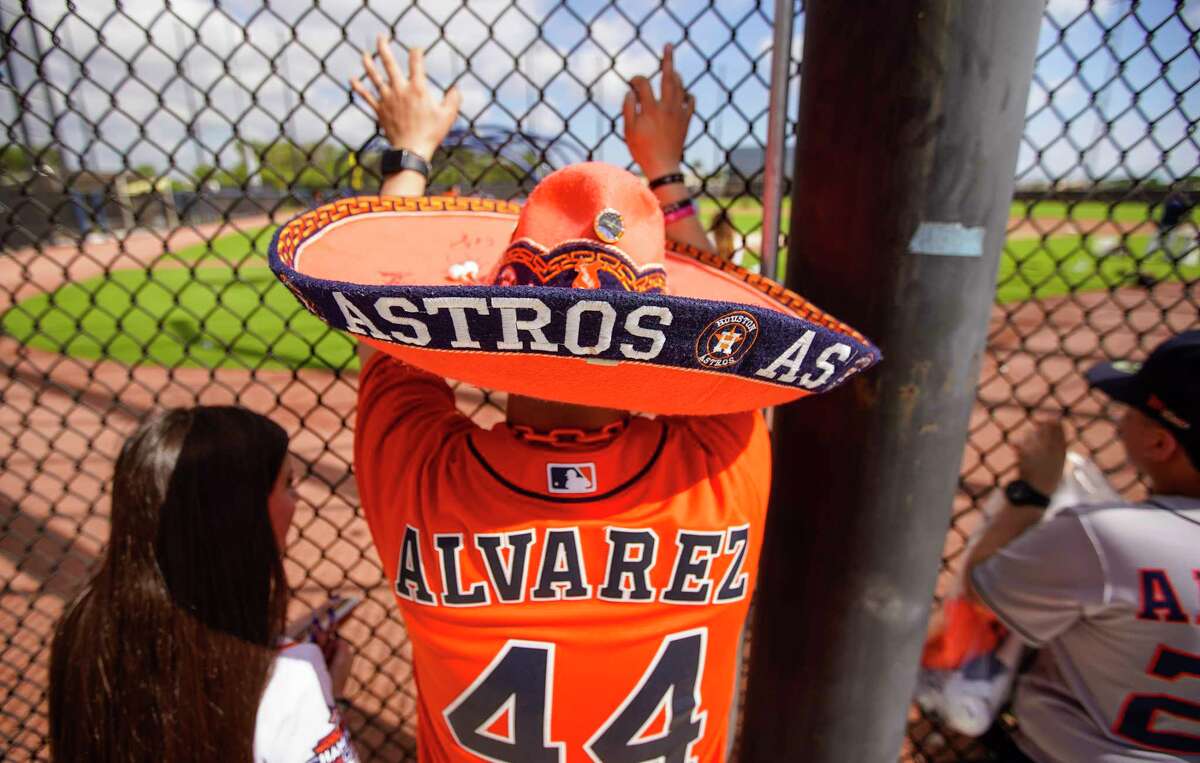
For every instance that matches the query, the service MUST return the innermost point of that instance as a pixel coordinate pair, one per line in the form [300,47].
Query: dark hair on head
[166,652]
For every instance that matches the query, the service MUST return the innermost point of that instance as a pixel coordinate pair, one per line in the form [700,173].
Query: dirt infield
[63,421]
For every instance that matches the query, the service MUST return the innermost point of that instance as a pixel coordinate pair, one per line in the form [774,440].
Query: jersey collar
[574,476]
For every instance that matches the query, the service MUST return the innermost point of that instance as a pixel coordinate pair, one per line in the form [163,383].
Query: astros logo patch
[571,478]
[726,340]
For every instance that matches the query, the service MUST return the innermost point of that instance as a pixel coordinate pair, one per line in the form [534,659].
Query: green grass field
[232,249]
[746,213]
[209,317]
[226,308]
[1035,269]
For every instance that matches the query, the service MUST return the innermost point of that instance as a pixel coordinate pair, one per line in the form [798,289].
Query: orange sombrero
[576,297]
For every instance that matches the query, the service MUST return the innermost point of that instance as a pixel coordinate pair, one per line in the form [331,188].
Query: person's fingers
[689,105]
[629,110]
[1052,430]
[416,68]
[395,76]
[1059,437]
[1044,438]
[358,87]
[641,89]
[670,86]
[1022,443]
[452,101]
[372,72]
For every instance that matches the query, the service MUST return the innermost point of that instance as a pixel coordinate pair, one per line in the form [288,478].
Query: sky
[127,77]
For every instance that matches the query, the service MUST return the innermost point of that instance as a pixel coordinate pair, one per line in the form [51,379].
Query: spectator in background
[1109,593]
[171,652]
[1175,210]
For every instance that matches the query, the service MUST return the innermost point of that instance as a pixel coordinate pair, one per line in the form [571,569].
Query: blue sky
[1146,86]
[554,68]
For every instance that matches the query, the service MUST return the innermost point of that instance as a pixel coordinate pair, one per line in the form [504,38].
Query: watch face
[398,159]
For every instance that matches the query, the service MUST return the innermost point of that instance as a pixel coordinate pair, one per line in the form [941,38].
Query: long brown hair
[166,652]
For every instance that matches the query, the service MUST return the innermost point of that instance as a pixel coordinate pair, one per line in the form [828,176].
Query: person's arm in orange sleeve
[404,417]
[757,454]
[739,441]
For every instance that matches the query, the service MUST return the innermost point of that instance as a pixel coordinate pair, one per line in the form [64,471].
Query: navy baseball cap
[1166,387]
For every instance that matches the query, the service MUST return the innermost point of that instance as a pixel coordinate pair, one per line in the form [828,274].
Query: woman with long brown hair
[172,651]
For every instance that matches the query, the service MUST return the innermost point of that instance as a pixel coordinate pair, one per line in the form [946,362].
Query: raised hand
[655,131]
[409,115]
[656,128]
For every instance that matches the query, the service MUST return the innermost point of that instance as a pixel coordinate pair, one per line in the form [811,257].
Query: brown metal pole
[911,112]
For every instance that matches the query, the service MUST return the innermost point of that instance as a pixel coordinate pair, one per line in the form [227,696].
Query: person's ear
[1161,445]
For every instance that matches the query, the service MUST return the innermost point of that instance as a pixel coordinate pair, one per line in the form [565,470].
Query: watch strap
[1021,493]
[399,159]
[674,177]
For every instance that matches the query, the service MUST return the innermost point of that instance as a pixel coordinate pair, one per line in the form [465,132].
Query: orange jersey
[563,605]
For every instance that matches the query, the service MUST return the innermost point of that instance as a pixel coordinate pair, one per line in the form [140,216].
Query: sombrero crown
[588,303]
[589,226]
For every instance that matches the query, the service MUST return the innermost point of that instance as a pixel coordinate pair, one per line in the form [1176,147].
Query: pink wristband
[679,211]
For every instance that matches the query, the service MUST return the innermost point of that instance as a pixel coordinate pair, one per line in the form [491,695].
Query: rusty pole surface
[911,112]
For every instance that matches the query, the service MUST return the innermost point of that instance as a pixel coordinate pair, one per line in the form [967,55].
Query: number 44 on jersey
[518,685]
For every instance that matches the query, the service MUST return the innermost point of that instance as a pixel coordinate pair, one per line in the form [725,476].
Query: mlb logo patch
[571,478]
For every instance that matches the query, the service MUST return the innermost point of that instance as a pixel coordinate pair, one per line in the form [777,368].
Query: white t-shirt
[298,721]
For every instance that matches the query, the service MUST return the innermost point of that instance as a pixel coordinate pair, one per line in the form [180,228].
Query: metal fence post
[773,173]
[911,112]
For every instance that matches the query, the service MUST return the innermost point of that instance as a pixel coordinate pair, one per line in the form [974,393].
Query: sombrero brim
[722,340]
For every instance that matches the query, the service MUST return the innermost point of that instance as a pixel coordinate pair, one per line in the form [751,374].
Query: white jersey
[298,721]
[1112,593]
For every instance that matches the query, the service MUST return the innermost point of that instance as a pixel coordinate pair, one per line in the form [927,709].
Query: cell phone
[329,615]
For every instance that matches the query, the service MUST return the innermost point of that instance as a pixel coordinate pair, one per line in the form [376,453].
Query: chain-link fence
[153,146]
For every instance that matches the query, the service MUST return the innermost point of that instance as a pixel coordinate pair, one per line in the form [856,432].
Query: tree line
[284,165]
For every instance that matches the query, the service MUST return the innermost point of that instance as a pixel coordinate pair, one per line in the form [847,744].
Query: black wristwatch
[399,159]
[1021,493]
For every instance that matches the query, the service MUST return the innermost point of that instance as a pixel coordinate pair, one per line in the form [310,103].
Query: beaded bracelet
[675,177]
[678,210]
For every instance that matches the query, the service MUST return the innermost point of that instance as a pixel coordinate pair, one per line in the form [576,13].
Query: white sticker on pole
[947,240]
